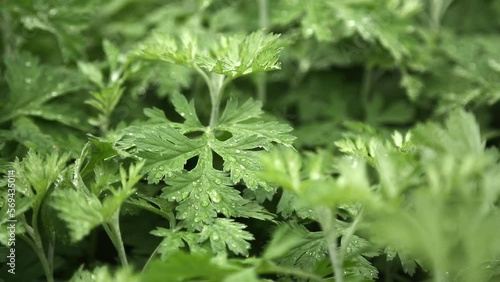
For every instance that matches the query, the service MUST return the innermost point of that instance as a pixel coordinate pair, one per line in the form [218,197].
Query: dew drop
[161,167]
[214,196]
[28,80]
[197,219]
[204,204]
[218,181]
[238,151]
[214,237]
[158,175]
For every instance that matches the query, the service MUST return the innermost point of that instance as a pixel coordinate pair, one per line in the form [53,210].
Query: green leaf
[284,239]
[103,274]
[40,172]
[204,192]
[459,137]
[83,211]
[92,72]
[32,86]
[187,267]
[231,56]
[188,113]
[165,148]
[112,54]
[307,255]
[64,20]
[225,232]
[173,241]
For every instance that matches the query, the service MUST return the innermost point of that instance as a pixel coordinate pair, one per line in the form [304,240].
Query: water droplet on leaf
[214,196]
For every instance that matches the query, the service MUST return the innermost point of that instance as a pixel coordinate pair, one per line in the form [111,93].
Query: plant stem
[273,268]
[216,84]
[113,231]
[327,219]
[366,88]
[6,30]
[50,252]
[216,87]
[264,25]
[151,257]
[437,10]
[38,245]
[263,13]
[346,239]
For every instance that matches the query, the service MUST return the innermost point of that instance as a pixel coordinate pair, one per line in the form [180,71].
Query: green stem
[113,231]
[216,84]
[151,257]
[273,268]
[41,257]
[38,245]
[50,252]
[216,88]
[437,10]
[366,88]
[346,239]
[6,30]
[262,87]
[264,25]
[326,219]
[263,13]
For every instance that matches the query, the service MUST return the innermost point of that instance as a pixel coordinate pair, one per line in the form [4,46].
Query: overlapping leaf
[205,192]
[231,56]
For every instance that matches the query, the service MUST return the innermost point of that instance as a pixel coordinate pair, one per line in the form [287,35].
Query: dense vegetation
[242,140]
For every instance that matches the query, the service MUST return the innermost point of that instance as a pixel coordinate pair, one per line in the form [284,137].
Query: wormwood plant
[267,140]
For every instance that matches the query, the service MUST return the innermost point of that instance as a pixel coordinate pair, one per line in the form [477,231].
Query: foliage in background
[263,140]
